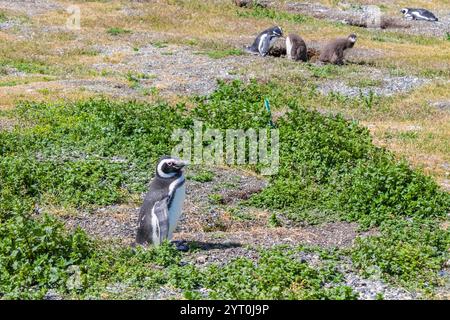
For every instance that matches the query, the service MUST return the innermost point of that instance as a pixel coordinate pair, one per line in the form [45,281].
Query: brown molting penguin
[296,48]
[334,51]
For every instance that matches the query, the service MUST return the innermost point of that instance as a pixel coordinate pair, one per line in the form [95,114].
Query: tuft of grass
[116,31]
[365,83]
[273,221]
[159,44]
[215,198]
[151,91]
[219,54]
[240,215]
[327,71]
[135,78]
[28,66]
[11,83]
[3,17]
[202,176]
[368,100]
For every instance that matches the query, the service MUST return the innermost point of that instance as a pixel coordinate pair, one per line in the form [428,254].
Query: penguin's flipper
[160,221]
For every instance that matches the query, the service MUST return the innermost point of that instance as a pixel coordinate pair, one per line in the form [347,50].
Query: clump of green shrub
[330,170]
[35,256]
[410,253]
[88,153]
[326,162]
[96,152]
[276,275]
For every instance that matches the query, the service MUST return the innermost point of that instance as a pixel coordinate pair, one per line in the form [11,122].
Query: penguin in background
[264,41]
[163,202]
[418,14]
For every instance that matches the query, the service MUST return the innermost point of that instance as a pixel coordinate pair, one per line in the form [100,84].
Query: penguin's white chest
[176,208]
[288,48]
[261,42]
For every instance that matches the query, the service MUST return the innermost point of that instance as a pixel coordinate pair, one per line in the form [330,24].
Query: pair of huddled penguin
[333,52]
[296,48]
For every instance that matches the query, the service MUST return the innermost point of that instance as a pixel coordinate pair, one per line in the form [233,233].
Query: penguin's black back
[255,45]
[425,13]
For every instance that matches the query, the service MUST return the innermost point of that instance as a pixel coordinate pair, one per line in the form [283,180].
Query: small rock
[52,295]
[201,259]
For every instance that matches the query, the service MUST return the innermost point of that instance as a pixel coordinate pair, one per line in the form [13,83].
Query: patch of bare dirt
[336,234]
[388,86]
[30,7]
[369,80]
[7,124]
[200,213]
[213,227]
[172,68]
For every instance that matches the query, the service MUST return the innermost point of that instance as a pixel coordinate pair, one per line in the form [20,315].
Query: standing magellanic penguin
[163,203]
[264,41]
[296,48]
[418,14]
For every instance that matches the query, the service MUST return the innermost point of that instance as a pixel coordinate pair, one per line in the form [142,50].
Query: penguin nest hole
[277,51]
[280,50]
[249,3]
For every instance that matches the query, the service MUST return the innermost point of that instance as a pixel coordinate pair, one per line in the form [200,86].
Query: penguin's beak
[180,164]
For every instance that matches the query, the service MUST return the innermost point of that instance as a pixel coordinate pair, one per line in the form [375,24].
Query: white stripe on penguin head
[161,173]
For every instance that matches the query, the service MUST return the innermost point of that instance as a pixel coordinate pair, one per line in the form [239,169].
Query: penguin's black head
[277,31]
[169,167]
[404,10]
[352,38]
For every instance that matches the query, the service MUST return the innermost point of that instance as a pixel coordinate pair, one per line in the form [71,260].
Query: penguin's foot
[181,245]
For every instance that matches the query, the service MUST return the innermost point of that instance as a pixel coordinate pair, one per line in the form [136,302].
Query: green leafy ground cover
[99,152]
